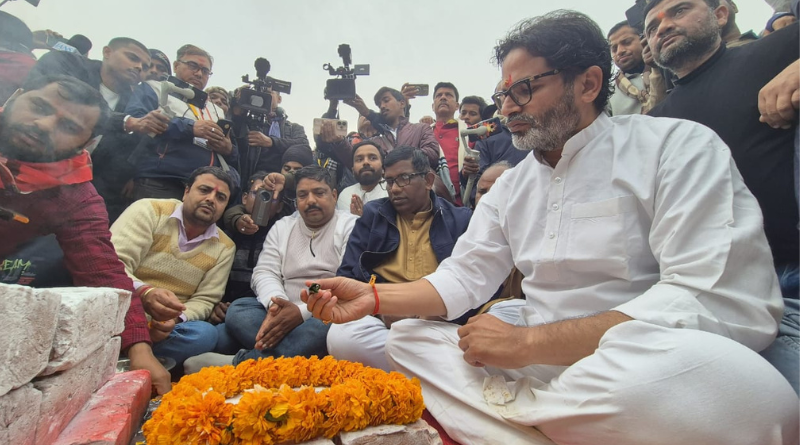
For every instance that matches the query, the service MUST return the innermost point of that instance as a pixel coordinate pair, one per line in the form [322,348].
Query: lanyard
[201,115]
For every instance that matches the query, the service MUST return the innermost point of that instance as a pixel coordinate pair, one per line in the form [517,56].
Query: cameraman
[262,148]
[191,140]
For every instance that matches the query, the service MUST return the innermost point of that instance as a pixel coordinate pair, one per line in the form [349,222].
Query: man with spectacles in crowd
[190,140]
[399,239]
[646,270]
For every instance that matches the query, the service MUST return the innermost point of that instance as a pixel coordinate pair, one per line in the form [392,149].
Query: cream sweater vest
[146,240]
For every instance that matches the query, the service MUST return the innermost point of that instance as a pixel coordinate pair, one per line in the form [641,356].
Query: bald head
[489,177]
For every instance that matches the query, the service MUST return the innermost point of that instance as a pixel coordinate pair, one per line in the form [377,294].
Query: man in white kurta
[647,273]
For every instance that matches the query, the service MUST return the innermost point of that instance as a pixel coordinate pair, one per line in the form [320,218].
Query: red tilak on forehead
[661,15]
[507,83]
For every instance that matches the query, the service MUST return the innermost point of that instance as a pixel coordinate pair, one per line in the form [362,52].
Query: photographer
[191,140]
[335,152]
[248,236]
[262,148]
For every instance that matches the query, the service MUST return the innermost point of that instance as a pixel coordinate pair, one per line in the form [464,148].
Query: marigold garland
[271,411]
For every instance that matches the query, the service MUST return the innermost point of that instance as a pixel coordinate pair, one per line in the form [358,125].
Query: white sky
[414,41]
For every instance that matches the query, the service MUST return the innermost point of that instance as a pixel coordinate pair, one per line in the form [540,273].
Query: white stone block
[87,318]
[28,319]
[19,414]
[417,433]
[65,393]
[124,302]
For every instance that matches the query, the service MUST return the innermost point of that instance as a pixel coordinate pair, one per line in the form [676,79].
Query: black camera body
[261,207]
[635,15]
[257,101]
[344,86]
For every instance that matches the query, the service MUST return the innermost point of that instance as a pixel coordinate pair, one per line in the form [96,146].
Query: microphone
[479,131]
[262,67]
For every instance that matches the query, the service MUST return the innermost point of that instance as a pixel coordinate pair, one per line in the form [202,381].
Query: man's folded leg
[305,340]
[361,341]
[644,384]
[187,340]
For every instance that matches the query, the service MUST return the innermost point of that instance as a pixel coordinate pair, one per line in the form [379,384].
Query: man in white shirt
[305,246]
[647,274]
[368,169]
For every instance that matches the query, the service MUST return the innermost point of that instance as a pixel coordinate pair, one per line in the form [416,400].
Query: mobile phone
[226,126]
[339,125]
[261,207]
[422,88]
[492,128]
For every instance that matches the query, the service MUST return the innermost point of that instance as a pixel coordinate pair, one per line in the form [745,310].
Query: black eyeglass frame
[195,68]
[499,97]
[406,177]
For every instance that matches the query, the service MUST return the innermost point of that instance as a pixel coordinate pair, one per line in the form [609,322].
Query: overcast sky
[416,41]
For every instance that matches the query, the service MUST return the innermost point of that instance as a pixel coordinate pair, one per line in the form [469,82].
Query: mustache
[519,117]
[668,36]
[312,207]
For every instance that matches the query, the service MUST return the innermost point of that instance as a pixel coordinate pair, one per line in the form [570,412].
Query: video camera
[258,99]
[344,86]
[635,15]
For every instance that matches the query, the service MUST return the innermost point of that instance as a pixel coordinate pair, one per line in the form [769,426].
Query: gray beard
[550,131]
[679,54]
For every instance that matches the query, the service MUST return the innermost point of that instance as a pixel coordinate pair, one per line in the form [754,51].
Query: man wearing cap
[159,68]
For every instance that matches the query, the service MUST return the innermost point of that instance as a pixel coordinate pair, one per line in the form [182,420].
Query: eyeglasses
[402,180]
[195,68]
[520,91]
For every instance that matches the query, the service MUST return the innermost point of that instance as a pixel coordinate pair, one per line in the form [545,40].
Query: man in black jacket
[261,149]
[745,95]
[124,60]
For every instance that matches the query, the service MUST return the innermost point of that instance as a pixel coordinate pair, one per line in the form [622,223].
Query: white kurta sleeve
[716,271]
[267,281]
[480,262]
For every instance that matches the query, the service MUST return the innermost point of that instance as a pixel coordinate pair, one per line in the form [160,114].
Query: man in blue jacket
[192,139]
[398,239]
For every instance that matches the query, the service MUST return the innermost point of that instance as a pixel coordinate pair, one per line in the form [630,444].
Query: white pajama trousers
[645,384]
[364,340]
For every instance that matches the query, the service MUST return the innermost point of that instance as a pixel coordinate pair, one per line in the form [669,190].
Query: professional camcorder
[258,98]
[344,86]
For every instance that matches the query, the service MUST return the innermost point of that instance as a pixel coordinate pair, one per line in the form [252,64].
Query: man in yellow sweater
[179,261]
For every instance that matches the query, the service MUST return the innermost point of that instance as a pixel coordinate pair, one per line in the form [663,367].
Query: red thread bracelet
[375,291]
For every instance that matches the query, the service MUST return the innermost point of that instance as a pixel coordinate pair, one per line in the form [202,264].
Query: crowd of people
[624,270]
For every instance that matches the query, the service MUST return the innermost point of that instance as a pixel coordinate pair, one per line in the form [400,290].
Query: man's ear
[106,52]
[430,178]
[589,84]
[335,194]
[722,14]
